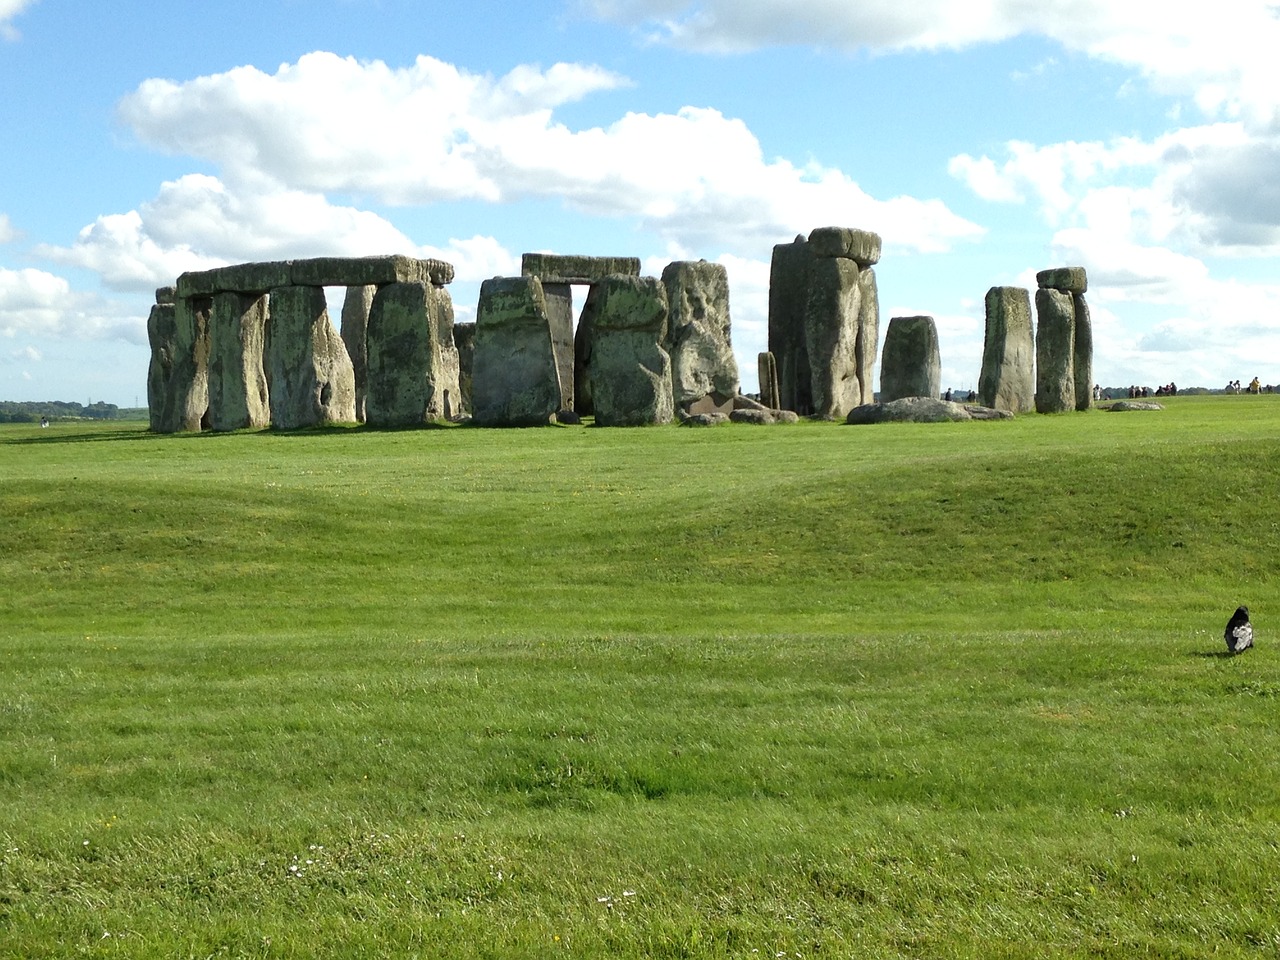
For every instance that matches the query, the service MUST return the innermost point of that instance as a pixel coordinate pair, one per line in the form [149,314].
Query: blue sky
[984,140]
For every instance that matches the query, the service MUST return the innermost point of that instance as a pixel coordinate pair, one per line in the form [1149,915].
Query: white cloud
[1224,59]
[433,132]
[34,303]
[9,9]
[8,233]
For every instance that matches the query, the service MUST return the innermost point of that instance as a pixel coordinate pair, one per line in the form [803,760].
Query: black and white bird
[1239,633]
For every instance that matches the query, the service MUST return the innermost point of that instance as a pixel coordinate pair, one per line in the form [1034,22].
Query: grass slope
[943,690]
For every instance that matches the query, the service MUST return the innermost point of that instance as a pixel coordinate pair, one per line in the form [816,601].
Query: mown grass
[949,690]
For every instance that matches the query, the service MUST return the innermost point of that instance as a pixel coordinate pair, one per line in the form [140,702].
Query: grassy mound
[943,690]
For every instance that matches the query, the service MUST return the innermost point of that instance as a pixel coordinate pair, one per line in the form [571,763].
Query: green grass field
[951,690]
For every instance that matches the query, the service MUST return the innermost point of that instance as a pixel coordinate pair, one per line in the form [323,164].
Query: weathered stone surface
[922,410]
[583,339]
[1082,353]
[703,419]
[464,341]
[860,246]
[710,403]
[1007,381]
[1067,279]
[366,271]
[238,395]
[1122,406]
[868,333]
[187,396]
[559,297]
[311,378]
[831,337]
[698,340]
[355,323]
[788,298]
[450,389]
[557,268]
[166,296]
[408,382]
[161,333]
[741,402]
[630,371]
[1055,351]
[240,278]
[757,417]
[767,371]
[515,379]
[911,365]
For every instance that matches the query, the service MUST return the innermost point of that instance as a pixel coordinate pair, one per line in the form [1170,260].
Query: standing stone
[704,371]
[1055,349]
[464,342]
[788,299]
[355,322]
[868,331]
[1007,381]
[515,377]
[311,378]
[407,382]
[559,297]
[767,370]
[450,389]
[630,371]
[161,333]
[187,397]
[238,395]
[1082,354]
[911,365]
[831,337]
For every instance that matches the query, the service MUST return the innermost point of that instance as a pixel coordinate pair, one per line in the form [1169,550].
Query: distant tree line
[30,411]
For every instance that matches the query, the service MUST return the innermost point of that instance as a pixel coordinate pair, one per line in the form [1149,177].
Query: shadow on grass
[106,436]
[212,436]
[1213,654]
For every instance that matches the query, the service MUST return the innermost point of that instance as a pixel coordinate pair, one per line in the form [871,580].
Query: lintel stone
[1066,279]
[557,268]
[241,278]
[846,243]
[369,271]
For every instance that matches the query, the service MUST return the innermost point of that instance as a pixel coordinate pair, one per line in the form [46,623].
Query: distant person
[1255,385]
[947,396]
[44,422]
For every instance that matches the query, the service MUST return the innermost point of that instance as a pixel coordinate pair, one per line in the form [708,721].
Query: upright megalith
[238,394]
[409,380]
[161,334]
[464,343]
[311,378]
[450,360]
[767,372]
[911,365]
[1070,284]
[355,323]
[515,378]
[831,337]
[630,371]
[824,319]
[704,371]
[1055,349]
[559,297]
[1007,381]
[187,395]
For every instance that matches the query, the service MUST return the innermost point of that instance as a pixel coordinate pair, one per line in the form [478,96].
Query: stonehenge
[252,345]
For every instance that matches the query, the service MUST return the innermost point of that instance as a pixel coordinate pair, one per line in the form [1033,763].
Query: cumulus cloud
[1225,60]
[9,10]
[34,303]
[691,177]
[8,233]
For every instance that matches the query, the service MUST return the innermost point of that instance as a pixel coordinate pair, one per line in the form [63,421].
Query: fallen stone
[557,268]
[515,378]
[1122,406]
[910,365]
[757,417]
[1007,380]
[1055,350]
[1066,279]
[238,394]
[785,416]
[703,419]
[311,378]
[742,402]
[910,410]
[860,246]
[568,417]
[698,342]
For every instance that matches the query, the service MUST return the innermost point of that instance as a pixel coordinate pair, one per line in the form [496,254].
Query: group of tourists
[1255,386]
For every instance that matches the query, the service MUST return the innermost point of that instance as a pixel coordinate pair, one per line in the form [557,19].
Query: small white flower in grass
[628,893]
[86,843]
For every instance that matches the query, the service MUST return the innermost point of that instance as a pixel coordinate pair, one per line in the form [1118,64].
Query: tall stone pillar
[868,331]
[630,371]
[409,381]
[161,333]
[355,322]
[559,297]
[788,299]
[1055,348]
[515,375]
[911,365]
[238,395]
[187,397]
[704,371]
[1071,283]
[312,380]
[767,371]
[1007,381]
